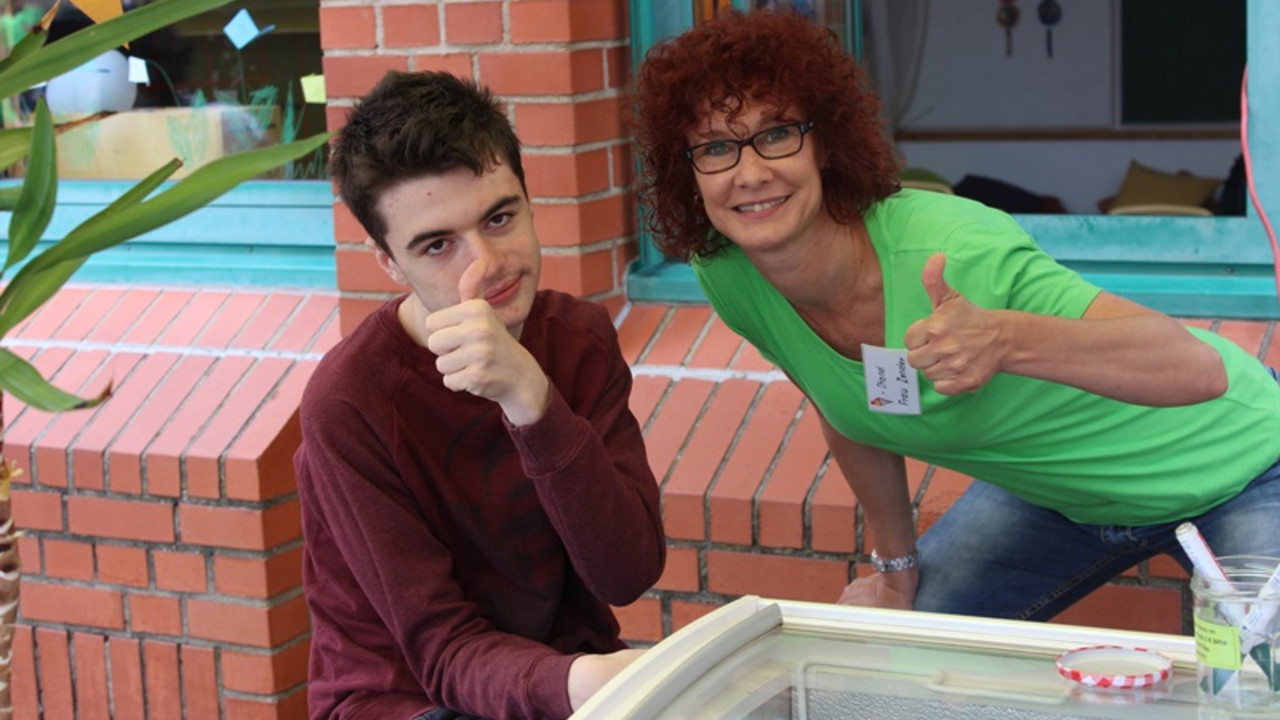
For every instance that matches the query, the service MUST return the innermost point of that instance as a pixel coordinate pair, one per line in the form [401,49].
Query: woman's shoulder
[927,221]
[926,208]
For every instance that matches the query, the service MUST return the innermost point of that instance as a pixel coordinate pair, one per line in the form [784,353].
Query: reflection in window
[831,13]
[193,90]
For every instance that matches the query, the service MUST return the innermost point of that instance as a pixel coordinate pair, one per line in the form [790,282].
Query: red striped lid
[1113,666]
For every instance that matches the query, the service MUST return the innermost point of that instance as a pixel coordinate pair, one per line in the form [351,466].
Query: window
[1181,61]
[193,91]
[207,93]
[1220,266]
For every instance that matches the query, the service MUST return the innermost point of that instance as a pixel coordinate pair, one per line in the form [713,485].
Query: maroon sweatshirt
[452,560]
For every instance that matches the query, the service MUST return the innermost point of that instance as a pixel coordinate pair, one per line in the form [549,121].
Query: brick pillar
[559,65]
[162,551]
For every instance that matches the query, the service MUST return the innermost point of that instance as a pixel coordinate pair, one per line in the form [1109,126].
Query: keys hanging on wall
[1007,16]
[1050,13]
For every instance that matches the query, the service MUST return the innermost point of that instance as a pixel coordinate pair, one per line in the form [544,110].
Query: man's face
[440,225]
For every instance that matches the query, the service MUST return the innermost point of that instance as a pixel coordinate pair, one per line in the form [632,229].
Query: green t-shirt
[1094,459]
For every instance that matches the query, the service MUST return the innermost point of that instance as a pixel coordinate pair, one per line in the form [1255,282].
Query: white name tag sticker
[893,386]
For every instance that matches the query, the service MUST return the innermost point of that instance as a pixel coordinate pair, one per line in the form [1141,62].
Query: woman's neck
[823,269]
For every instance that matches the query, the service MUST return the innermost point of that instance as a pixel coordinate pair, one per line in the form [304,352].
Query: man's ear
[386,262]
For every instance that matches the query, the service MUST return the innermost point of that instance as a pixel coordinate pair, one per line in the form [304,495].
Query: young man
[474,488]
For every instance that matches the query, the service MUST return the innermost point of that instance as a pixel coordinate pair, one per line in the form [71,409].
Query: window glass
[225,81]
[831,13]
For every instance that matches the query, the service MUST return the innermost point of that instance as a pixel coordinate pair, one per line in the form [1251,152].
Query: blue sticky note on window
[138,71]
[242,30]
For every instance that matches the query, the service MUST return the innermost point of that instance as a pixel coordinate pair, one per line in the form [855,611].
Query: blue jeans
[995,555]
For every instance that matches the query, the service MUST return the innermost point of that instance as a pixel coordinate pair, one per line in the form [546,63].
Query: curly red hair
[779,59]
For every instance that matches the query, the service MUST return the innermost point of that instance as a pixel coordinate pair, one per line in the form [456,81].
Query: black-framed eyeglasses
[771,143]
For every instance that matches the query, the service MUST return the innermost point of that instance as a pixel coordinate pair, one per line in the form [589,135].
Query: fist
[958,345]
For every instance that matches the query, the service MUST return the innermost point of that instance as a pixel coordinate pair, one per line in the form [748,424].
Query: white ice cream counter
[762,659]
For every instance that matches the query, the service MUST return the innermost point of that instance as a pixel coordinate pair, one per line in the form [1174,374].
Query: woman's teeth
[756,207]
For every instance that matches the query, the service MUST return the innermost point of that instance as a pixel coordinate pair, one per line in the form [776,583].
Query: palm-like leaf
[40,285]
[133,214]
[39,191]
[9,197]
[27,45]
[24,382]
[82,46]
[117,224]
[191,193]
[14,144]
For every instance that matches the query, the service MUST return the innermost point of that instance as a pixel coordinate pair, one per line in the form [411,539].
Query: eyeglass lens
[771,143]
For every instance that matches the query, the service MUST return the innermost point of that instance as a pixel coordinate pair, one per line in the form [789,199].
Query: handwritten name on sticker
[893,386]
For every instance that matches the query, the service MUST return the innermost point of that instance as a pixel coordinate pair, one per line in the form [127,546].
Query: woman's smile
[762,206]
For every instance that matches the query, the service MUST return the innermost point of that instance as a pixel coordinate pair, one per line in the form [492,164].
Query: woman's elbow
[1210,381]
[1217,381]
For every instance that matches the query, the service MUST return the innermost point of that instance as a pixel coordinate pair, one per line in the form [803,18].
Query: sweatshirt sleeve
[587,460]
[383,598]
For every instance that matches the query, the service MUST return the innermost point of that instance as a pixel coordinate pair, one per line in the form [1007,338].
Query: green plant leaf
[16,142]
[14,145]
[25,383]
[35,288]
[116,224]
[32,42]
[39,191]
[82,46]
[198,189]
[9,197]
[139,192]
[28,292]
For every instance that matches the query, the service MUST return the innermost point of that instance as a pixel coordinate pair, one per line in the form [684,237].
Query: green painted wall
[263,233]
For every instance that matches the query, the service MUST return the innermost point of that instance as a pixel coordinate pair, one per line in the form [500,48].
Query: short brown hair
[413,125]
[761,57]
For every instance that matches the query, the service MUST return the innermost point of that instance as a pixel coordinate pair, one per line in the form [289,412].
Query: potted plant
[149,204]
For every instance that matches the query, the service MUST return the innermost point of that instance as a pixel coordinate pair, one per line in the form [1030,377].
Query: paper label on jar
[1217,645]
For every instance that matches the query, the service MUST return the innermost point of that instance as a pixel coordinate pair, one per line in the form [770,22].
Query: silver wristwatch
[895,564]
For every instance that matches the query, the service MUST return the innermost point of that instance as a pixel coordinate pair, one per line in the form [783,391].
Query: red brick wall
[559,65]
[161,555]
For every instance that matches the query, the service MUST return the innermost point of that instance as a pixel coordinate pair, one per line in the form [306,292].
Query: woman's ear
[820,154]
[387,263]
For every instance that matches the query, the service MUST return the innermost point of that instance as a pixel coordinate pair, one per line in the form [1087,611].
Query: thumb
[470,282]
[934,283]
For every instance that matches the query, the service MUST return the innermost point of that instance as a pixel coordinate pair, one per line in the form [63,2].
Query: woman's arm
[1118,348]
[878,479]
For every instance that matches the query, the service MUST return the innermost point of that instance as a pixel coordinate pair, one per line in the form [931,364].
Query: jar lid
[1113,666]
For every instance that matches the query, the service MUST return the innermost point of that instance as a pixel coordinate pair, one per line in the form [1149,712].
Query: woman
[930,326]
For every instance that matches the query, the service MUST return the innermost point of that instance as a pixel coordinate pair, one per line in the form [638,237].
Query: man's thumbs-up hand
[477,354]
[958,346]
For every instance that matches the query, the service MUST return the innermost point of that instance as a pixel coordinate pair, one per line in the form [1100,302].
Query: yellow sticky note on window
[313,89]
[100,10]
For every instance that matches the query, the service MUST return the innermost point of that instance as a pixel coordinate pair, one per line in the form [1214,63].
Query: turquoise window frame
[1185,266]
[263,233]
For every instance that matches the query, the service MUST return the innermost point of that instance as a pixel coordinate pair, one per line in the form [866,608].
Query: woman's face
[760,204]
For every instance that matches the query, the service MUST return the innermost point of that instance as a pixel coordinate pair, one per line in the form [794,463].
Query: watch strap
[895,564]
